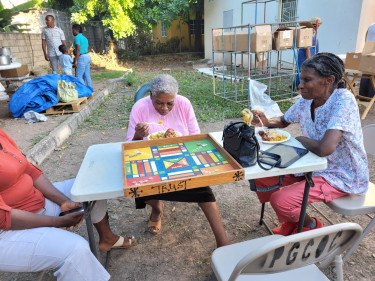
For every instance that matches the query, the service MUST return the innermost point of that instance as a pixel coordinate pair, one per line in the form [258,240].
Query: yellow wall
[174,31]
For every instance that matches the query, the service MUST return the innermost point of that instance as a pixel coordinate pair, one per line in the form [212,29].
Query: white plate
[285,133]
[177,132]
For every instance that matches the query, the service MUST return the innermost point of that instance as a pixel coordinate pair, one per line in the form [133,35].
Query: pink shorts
[287,200]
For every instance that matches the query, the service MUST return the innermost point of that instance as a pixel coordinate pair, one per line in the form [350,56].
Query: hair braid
[327,64]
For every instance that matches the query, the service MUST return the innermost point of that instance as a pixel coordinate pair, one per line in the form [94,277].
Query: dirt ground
[182,251]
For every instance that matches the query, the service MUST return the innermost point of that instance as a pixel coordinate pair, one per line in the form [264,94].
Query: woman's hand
[68,205]
[141,130]
[73,219]
[275,122]
[259,114]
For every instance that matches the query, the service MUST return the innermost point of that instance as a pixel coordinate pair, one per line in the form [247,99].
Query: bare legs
[106,237]
[211,212]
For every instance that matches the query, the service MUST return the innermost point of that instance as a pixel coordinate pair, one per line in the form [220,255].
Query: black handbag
[240,142]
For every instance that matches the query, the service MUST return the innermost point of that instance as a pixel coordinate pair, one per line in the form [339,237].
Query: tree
[6,16]
[124,17]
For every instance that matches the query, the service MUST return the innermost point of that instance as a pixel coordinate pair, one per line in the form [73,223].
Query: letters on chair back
[300,251]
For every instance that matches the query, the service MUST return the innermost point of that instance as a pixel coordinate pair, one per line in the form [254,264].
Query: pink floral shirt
[181,118]
[347,167]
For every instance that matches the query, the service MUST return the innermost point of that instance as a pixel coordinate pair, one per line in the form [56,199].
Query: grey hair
[164,84]
[327,64]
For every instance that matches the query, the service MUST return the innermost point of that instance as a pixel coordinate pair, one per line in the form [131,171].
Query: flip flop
[119,244]
[155,224]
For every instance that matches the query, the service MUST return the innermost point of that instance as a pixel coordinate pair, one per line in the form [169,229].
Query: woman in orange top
[31,238]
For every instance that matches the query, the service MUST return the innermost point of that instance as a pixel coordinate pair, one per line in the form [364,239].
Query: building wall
[174,32]
[367,18]
[34,20]
[25,47]
[344,21]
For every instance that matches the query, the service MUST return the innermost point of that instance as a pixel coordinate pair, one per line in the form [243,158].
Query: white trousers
[41,248]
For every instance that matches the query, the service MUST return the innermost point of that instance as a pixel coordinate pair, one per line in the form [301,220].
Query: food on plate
[170,133]
[157,135]
[272,135]
[247,116]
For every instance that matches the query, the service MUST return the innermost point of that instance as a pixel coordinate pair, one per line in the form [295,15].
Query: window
[228,19]
[192,26]
[163,30]
[289,10]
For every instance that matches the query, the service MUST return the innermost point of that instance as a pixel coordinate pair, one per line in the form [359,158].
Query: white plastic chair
[278,257]
[353,205]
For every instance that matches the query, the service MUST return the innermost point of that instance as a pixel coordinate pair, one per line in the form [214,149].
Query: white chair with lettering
[352,205]
[278,257]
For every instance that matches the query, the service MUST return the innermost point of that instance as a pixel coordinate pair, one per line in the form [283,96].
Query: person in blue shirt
[66,60]
[82,59]
[306,53]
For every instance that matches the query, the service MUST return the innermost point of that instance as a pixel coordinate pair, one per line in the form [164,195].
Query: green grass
[100,76]
[37,139]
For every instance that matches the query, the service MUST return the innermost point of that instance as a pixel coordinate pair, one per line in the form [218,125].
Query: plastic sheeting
[41,93]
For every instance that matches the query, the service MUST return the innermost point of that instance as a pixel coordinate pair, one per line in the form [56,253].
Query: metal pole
[309,183]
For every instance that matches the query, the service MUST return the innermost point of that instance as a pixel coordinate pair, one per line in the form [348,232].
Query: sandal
[119,244]
[155,224]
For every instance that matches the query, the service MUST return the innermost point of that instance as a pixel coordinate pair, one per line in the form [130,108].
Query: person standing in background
[365,87]
[52,38]
[306,53]
[82,58]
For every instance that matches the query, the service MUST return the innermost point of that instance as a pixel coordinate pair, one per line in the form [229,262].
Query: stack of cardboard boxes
[262,39]
[364,61]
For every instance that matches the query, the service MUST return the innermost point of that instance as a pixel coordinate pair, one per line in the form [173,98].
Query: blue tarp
[41,93]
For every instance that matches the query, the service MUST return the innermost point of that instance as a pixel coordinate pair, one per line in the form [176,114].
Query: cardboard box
[304,37]
[352,60]
[228,38]
[283,38]
[16,72]
[261,39]
[229,41]
[367,61]
[217,40]
[242,40]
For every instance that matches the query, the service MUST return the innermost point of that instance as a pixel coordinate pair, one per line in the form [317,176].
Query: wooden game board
[169,165]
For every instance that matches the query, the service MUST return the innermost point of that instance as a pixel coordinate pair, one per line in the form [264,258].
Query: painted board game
[169,165]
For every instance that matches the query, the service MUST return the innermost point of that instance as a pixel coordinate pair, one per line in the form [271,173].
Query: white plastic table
[100,175]
[10,66]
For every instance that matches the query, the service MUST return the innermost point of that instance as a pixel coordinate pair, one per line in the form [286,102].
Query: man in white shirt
[52,38]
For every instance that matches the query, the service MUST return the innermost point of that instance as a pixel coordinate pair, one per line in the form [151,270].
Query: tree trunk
[189,31]
[198,26]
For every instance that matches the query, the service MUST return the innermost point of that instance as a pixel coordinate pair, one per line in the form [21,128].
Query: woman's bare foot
[154,223]
[116,242]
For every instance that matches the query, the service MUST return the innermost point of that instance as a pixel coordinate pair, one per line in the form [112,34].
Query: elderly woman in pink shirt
[177,113]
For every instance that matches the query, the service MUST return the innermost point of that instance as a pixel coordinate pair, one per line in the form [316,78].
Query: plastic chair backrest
[298,250]
[142,91]
[368,138]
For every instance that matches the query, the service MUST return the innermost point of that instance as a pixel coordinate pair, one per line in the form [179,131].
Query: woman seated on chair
[329,119]
[31,234]
[162,110]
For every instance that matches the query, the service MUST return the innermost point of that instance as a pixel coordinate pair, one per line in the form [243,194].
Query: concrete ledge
[44,148]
